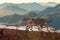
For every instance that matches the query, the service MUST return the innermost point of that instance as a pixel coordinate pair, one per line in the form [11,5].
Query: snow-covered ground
[58,31]
[35,28]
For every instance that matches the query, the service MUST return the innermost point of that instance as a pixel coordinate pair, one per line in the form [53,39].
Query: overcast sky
[27,1]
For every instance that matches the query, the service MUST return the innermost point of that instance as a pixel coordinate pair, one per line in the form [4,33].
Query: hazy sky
[27,1]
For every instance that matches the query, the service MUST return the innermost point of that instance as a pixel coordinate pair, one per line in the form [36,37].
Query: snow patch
[58,31]
[35,28]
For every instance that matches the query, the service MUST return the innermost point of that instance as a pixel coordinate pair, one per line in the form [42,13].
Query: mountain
[31,14]
[13,13]
[54,14]
[56,17]
[49,4]
[9,9]
[21,9]
[11,18]
[50,10]
[47,10]
[37,6]
[32,6]
[52,3]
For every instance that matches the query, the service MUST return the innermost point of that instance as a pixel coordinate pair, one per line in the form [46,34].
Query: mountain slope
[11,18]
[32,14]
[9,9]
[24,8]
[54,14]
[33,6]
